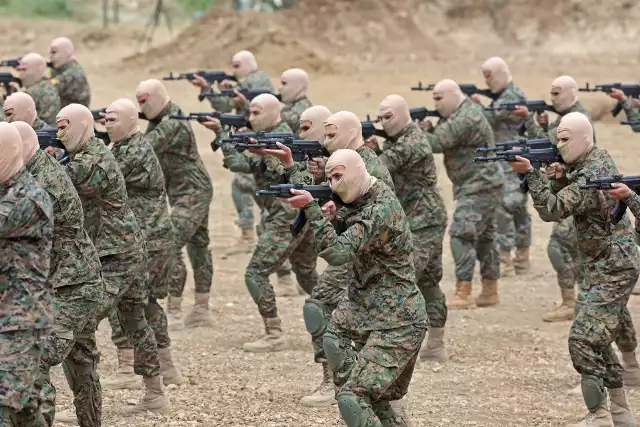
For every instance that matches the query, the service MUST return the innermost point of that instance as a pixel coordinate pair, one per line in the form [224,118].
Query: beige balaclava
[10,152]
[80,127]
[269,115]
[349,132]
[121,119]
[567,96]
[355,181]
[578,129]
[157,97]
[295,82]
[316,115]
[396,107]
[451,97]
[33,67]
[20,106]
[499,74]
[244,62]
[29,138]
[63,51]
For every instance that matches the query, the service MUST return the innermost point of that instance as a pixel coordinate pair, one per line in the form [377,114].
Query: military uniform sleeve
[633,114]
[296,175]
[12,218]
[534,130]
[633,203]
[444,137]
[395,156]
[571,200]
[160,137]
[85,178]
[236,161]
[221,104]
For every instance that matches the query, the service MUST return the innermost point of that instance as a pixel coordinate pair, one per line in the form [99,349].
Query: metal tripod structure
[153,22]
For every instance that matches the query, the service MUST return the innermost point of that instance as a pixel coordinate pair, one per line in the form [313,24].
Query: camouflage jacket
[534,130]
[145,188]
[72,84]
[633,113]
[409,159]
[607,256]
[633,203]
[504,124]
[175,145]
[47,100]
[257,79]
[378,241]
[291,112]
[74,259]
[39,124]
[107,217]
[458,137]
[26,236]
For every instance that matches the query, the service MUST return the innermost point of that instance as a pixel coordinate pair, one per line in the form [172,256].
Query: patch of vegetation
[41,8]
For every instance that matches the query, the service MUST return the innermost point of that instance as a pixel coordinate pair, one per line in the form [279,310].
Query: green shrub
[39,8]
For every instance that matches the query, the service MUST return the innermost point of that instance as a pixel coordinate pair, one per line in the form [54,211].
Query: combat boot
[506,263]
[433,348]
[595,399]
[273,340]
[244,245]
[489,294]
[565,310]
[168,370]
[396,416]
[201,316]
[125,378]
[620,412]
[174,313]
[521,262]
[631,373]
[287,286]
[155,398]
[68,416]
[462,298]
[325,394]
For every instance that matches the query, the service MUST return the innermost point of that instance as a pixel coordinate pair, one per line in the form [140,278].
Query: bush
[39,8]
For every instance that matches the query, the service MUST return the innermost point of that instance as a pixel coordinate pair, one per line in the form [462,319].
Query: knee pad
[334,354]
[432,294]
[555,256]
[252,286]
[592,392]
[457,247]
[351,411]
[314,317]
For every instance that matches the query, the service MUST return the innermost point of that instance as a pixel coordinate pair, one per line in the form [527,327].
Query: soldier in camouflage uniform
[384,315]
[67,74]
[610,260]
[477,190]
[26,236]
[33,73]
[148,200]
[630,105]
[190,192]
[78,289]
[293,94]
[114,231]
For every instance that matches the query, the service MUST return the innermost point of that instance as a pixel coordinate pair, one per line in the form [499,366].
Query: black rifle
[537,106]
[48,137]
[210,76]
[467,89]
[244,138]
[12,62]
[96,114]
[6,78]
[104,136]
[369,129]
[635,124]
[632,90]
[420,113]
[300,149]
[516,143]
[247,93]
[604,183]
[227,121]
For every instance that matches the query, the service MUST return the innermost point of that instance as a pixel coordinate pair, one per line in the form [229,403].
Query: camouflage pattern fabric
[39,124]
[292,111]
[534,130]
[242,189]
[47,100]
[633,113]
[256,79]
[71,82]
[563,254]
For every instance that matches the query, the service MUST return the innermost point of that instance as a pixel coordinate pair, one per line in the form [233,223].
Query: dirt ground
[507,367]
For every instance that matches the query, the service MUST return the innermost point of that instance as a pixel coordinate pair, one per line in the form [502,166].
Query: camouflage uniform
[26,306]
[78,290]
[410,161]
[72,84]
[633,113]
[39,124]
[47,100]
[190,192]
[148,201]
[476,187]
[384,314]
[292,111]
[114,231]
[610,261]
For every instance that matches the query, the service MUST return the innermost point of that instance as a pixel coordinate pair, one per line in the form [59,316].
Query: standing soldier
[293,95]
[33,73]
[67,74]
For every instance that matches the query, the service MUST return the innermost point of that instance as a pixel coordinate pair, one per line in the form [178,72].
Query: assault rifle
[369,129]
[300,149]
[96,114]
[15,62]
[6,78]
[210,76]
[632,90]
[103,135]
[229,93]
[244,138]
[227,121]
[48,137]
[515,143]
[604,183]
[537,106]
[635,124]
[467,89]
[420,113]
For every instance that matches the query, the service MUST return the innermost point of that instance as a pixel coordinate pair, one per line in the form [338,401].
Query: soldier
[384,315]
[114,231]
[33,73]
[20,107]
[67,74]
[293,95]
[477,188]
[190,191]
[148,200]
[610,262]
[77,285]
[630,105]
[26,235]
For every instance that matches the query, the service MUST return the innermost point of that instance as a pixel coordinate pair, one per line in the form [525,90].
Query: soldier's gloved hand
[316,168]
[199,81]
[283,154]
[616,94]
[619,191]
[329,210]
[521,111]
[542,119]
[212,123]
[371,142]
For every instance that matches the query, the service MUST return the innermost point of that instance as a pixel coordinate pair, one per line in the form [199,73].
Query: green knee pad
[556,257]
[432,294]
[332,351]
[457,247]
[351,411]
[254,290]
[592,392]
[314,318]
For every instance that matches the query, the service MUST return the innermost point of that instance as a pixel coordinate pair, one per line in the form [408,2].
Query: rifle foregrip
[616,109]
[298,223]
[618,211]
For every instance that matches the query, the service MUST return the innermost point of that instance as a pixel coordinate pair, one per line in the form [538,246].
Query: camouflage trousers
[125,280]
[275,245]
[513,217]
[72,342]
[427,257]
[190,219]
[563,253]
[242,188]
[157,267]
[19,365]
[601,317]
[473,236]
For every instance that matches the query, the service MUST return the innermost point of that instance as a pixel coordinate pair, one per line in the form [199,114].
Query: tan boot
[506,264]
[462,297]
[631,373]
[433,348]
[620,412]
[67,416]
[155,398]
[489,294]
[401,407]
[125,378]
[600,418]
[273,340]
[521,262]
[168,370]
[201,316]
[564,311]
[174,313]
[325,394]
[287,286]
[244,245]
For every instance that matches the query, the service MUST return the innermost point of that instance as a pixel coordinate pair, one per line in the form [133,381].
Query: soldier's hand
[542,119]
[555,170]
[226,84]
[258,151]
[283,154]
[617,94]
[300,199]
[476,98]
[521,111]
[239,99]
[316,168]
[521,165]
[50,151]
[371,142]
[426,124]
[619,191]
[211,123]
[635,103]
[199,81]
[329,210]
[101,120]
